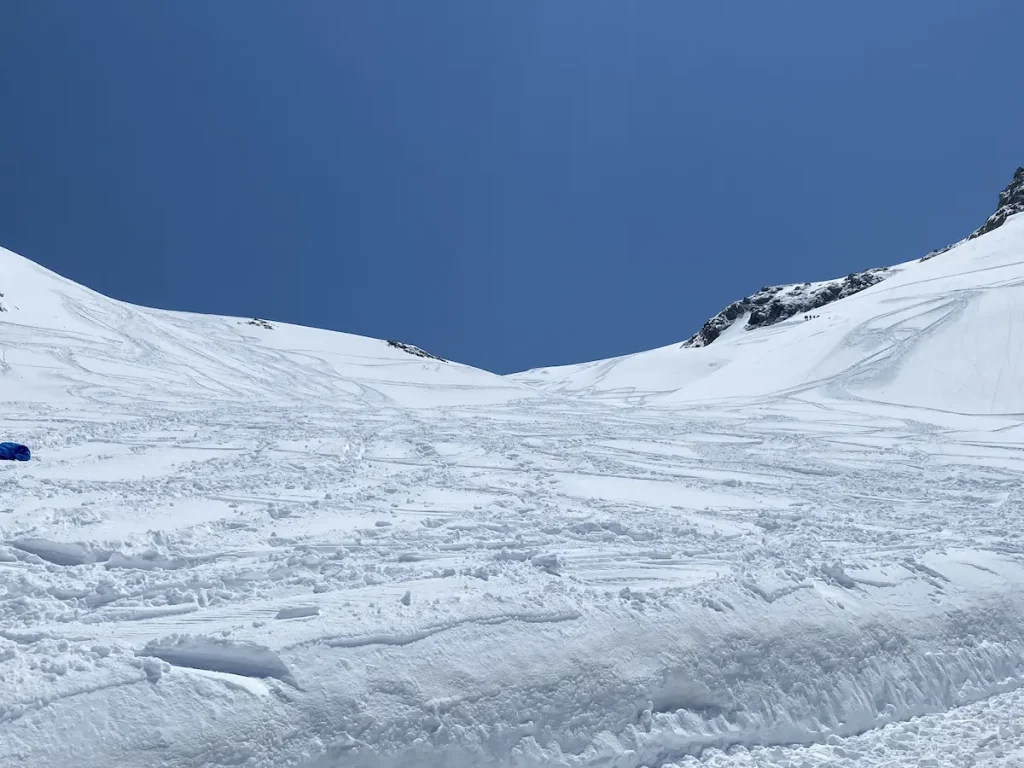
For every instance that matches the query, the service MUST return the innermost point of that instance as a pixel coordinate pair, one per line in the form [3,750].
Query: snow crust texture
[242,546]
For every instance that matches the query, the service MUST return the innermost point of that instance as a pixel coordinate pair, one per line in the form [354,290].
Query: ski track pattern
[255,555]
[212,523]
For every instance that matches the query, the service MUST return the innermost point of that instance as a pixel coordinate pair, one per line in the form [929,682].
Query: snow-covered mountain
[937,333]
[775,303]
[251,544]
[62,340]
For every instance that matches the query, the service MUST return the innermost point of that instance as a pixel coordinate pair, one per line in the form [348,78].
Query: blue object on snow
[14,452]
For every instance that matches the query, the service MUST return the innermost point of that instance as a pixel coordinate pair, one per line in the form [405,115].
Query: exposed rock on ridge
[773,304]
[414,350]
[1011,201]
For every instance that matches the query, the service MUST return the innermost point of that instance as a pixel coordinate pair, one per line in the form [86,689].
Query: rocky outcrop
[775,303]
[412,350]
[1011,201]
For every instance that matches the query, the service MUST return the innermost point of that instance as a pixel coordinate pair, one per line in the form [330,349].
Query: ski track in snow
[236,548]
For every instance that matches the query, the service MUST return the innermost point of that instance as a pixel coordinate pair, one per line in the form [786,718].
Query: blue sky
[509,184]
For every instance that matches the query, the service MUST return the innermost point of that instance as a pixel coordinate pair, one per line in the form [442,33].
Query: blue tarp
[14,452]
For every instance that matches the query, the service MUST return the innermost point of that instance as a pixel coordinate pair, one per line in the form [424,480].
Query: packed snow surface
[245,544]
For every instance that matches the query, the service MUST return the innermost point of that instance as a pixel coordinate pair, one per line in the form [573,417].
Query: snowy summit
[244,543]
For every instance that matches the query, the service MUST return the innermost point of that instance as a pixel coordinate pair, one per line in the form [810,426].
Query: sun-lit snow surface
[288,547]
[63,343]
[941,334]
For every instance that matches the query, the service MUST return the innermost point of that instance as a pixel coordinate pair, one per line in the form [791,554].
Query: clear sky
[508,183]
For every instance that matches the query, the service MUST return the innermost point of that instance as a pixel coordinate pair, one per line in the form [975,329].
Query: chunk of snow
[548,562]
[245,659]
[56,552]
[298,612]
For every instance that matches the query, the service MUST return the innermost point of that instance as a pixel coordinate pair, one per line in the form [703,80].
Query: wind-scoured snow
[251,546]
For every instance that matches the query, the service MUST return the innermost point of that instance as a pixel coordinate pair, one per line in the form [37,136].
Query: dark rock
[1011,201]
[775,303]
[413,350]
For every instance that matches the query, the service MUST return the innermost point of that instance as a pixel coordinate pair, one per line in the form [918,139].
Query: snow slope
[64,341]
[287,547]
[938,334]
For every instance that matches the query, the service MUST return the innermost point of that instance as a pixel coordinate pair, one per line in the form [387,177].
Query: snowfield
[253,544]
